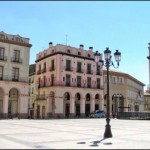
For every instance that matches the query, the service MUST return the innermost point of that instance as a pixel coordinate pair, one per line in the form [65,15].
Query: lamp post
[107,64]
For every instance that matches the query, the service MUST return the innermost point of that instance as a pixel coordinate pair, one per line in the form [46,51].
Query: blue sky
[122,25]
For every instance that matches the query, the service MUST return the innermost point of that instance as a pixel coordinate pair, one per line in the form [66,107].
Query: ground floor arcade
[13,99]
[67,102]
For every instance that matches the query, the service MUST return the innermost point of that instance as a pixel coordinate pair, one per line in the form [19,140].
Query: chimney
[91,48]
[50,44]
[81,46]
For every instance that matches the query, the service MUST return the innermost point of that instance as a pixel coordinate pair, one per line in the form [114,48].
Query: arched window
[88,97]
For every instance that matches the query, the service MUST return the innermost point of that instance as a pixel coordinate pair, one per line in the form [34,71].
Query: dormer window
[79,53]
[68,51]
[17,39]
[2,36]
[89,55]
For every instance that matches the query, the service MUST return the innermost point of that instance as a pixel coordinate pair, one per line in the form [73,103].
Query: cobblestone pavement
[73,134]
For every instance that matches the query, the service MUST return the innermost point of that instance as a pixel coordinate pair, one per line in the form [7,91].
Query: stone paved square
[73,134]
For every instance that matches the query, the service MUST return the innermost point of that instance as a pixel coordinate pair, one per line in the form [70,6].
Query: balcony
[88,85]
[15,79]
[68,69]
[99,86]
[10,78]
[68,84]
[89,72]
[43,70]
[78,84]
[38,72]
[79,70]
[51,68]
[40,97]
[16,60]
[3,58]
[99,73]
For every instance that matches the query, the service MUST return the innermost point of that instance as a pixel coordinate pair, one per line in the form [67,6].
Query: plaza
[73,134]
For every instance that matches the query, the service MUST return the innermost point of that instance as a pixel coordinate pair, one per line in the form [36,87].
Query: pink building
[68,82]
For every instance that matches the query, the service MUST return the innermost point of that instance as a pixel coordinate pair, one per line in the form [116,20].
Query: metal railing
[10,78]
[16,60]
[3,58]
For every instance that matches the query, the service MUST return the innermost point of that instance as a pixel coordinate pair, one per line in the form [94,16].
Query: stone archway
[87,104]
[117,103]
[66,101]
[77,104]
[13,103]
[97,101]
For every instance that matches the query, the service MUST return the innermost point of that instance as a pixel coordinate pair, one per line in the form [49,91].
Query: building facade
[14,73]
[68,82]
[126,92]
[32,77]
[147,102]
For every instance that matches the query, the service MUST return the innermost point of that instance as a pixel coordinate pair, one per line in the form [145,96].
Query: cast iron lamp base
[107,133]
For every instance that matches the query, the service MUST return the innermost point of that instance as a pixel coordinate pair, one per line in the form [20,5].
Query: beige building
[14,73]
[147,102]
[126,93]
[68,82]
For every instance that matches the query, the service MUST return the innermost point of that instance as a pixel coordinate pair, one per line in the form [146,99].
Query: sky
[122,25]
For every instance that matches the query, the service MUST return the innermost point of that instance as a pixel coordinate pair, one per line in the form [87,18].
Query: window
[52,79]
[89,68]
[16,57]
[39,80]
[113,79]
[78,66]
[44,68]
[32,91]
[1,53]
[78,81]
[18,39]
[52,65]
[98,83]
[15,74]
[1,72]
[67,80]
[68,50]
[98,70]
[68,65]
[88,82]
[44,84]
[79,53]
[121,80]
[39,71]
[2,36]
[89,55]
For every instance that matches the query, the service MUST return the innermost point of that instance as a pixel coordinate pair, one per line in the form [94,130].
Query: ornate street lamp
[108,63]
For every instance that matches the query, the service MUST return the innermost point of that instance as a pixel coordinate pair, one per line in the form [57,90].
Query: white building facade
[14,75]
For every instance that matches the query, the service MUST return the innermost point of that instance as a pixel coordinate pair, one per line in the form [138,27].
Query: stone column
[59,108]
[72,108]
[92,105]
[48,107]
[5,105]
[82,108]
[101,104]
